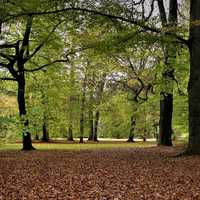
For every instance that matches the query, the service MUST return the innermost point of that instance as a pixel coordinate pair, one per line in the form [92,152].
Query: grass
[77,146]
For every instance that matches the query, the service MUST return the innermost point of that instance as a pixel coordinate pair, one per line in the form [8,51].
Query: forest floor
[99,174]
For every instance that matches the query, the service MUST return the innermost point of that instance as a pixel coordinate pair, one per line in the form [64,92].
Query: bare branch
[25,41]
[7,79]
[42,44]
[162,12]
[110,16]
[8,57]
[46,65]
[3,65]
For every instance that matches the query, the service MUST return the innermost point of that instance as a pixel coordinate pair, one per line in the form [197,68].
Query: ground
[99,174]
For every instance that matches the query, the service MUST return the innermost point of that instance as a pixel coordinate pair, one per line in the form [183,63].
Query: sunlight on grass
[77,146]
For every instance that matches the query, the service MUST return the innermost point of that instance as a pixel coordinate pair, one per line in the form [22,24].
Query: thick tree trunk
[166,109]
[132,128]
[194,81]
[166,96]
[27,142]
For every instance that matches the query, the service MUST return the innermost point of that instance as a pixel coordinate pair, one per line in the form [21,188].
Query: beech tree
[166,95]
[14,57]
[194,81]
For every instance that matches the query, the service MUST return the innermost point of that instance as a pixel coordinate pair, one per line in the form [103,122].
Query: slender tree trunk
[91,125]
[132,128]
[99,92]
[27,142]
[96,123]
[45,132]
[91,119]
[71,101]
[81,128]
[70,133]
[36,137]
[82,117]
[194,80]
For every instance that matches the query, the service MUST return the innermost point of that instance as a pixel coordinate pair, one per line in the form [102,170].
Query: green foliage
[90,45]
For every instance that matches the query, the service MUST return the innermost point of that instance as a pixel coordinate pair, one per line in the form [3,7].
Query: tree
[166,95]
[15,55]
[194,81]
[82,114]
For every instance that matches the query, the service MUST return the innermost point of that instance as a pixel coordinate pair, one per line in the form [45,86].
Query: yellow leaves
[8,104]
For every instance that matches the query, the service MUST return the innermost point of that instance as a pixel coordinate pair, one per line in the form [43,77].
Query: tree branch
[41,44]
[25,41]
[110,16]
[8,57]
[46,65]
[7,79]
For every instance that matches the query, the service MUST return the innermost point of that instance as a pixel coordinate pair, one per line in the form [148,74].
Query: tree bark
[27,142]
[166,95]
[81,126]
[45,132]
[70,133]
[194,80]
[132,128]
[82,116]
[91,125]
[96,123]
[165,130]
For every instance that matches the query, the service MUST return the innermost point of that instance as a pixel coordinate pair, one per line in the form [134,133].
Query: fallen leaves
[119,174]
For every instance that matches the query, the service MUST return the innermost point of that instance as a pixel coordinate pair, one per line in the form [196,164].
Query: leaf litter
[118,174]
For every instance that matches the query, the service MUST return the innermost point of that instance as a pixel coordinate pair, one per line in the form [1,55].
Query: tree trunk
[166,95]
[132,128]
[82,120]
[36,137]
[45,132]
[194,80]
[165,129]
[91,124]
[99,92]
[81,128]
[27,142]
[70,133]
[96,123]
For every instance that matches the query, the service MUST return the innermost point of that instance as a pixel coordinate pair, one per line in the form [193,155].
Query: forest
[107,94]
[107,69]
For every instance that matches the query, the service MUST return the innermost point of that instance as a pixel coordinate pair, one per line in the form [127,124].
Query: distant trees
[117,27]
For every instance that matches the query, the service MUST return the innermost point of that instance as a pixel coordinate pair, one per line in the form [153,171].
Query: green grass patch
[79,147]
